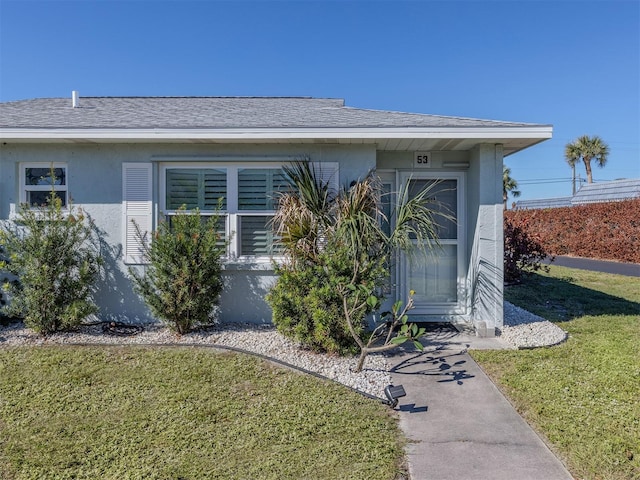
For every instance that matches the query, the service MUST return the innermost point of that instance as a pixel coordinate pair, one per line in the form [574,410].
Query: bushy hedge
[307,301]
[523,251]
[607,231]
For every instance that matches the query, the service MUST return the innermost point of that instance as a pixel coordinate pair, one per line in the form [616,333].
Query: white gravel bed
[523,329]
[264,340]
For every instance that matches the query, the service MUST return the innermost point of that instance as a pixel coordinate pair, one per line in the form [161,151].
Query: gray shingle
[607,191]
[557,202]
[214,113]
[612,191]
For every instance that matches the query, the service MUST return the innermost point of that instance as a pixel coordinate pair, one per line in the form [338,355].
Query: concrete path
[459,425]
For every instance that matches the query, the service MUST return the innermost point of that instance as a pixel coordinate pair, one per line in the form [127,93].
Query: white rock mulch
[521,330]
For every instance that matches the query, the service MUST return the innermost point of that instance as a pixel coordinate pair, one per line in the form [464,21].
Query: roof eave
[537,132]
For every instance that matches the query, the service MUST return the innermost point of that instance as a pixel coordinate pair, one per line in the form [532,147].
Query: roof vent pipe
[75,99]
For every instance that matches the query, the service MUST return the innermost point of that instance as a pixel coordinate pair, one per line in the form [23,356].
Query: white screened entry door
[437,278]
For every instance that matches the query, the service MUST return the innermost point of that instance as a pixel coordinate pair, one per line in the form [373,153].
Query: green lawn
[183,413]
[583,395]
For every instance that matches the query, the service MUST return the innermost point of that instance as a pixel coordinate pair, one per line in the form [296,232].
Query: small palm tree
[311,214]
[509,186]
[338,255]
[587,148]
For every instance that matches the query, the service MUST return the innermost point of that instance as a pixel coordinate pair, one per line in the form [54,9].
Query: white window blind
[249,192]
[196,188]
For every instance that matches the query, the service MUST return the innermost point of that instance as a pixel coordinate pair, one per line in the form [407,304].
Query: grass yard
[583,395]
[183,413]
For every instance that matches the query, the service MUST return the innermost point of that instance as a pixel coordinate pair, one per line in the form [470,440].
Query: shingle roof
[215,112]
[612,191]
[557,202]
[607,191]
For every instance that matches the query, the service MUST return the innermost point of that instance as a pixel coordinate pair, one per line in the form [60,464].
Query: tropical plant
[395,321]
[336,249]
[587,148]
[54,255]
[509,185]
[307,300]
[182,283]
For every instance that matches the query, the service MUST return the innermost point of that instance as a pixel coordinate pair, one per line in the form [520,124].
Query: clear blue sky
[572,64]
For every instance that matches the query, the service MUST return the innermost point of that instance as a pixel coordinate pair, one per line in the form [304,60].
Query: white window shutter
[328,172]
[137,209]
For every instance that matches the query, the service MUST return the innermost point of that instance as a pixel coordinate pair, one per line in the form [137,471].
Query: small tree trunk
[587,167]
[363,355]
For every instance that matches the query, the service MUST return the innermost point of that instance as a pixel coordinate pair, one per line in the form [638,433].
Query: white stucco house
[140,158]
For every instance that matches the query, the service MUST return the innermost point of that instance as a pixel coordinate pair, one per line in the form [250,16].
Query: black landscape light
[393,393]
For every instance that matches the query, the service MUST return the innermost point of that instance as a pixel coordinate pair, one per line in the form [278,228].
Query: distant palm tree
[509,186]
[587,148]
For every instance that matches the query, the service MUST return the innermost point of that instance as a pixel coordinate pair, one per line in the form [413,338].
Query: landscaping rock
[521,330]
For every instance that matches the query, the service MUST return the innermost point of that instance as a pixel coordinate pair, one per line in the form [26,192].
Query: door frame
[437,310]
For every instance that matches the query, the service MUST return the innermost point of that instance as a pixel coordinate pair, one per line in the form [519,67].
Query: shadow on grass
[561,300]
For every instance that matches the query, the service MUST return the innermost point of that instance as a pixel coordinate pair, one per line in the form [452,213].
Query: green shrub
[307,303]
[332,240]
[182,283]
[54,255]
[4,301]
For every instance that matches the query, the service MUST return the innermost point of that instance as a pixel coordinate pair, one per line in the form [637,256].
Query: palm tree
[338,256]
[587,148]
[509,186]
[311,214]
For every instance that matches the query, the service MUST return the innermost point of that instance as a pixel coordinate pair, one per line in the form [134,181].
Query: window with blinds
[196,188]
[258,189]
[248,196]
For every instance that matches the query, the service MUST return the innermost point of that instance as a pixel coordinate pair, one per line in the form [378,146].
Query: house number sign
[422,159]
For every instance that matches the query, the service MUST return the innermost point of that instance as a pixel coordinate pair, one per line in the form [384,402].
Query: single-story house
[140,158]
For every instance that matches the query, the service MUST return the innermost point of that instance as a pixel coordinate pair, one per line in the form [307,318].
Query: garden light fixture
[393,393]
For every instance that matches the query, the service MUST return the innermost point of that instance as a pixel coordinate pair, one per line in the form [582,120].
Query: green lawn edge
[131,412]
[582,396]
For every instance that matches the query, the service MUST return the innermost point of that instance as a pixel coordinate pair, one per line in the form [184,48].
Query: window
[37,180]
[246,193]
[196,188]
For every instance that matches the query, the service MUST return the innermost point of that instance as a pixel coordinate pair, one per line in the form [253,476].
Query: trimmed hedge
[607,231]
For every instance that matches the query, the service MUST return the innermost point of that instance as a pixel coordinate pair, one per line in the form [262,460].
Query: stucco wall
[484,204]
[95,184]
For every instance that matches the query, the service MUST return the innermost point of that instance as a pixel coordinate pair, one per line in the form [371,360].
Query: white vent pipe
[75,99]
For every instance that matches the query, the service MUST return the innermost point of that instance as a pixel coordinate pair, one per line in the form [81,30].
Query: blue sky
[572,64]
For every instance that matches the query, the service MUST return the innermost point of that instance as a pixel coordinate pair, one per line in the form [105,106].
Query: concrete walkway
[459,425]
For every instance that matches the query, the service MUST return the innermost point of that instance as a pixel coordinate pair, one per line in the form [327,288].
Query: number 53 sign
[422,159]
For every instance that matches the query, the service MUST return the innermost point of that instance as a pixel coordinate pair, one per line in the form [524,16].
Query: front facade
[126,160]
